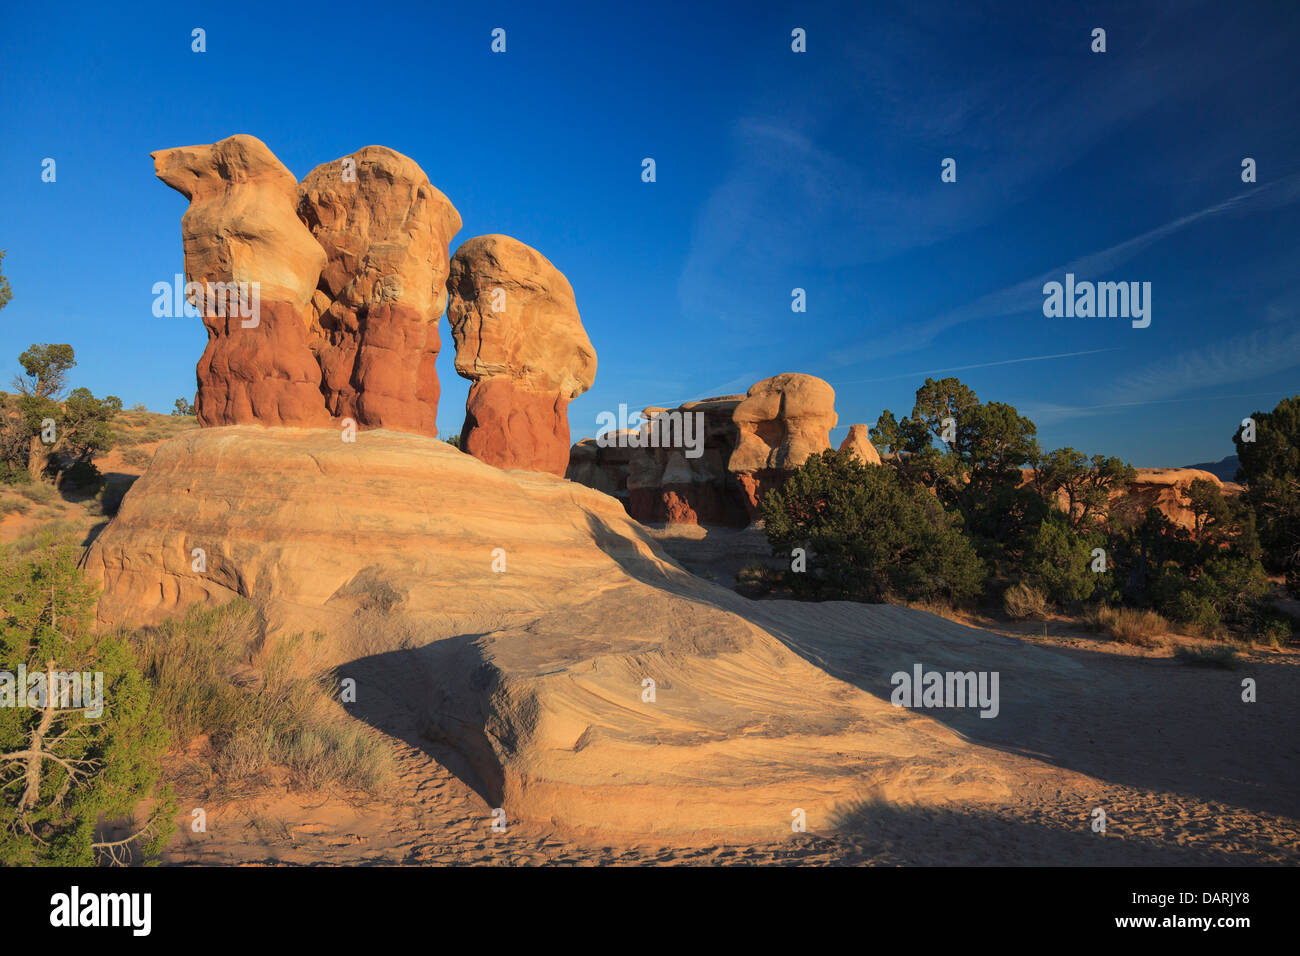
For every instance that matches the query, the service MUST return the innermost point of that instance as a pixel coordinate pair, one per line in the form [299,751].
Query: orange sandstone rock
[520,340]
[242,228]
[385,230]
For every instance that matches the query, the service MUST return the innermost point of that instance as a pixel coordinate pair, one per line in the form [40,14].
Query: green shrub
[1208,655]
[866,536]
[1270,466]
[95,765]
[14,506]
[38,491]
[757,579]
[1059,561]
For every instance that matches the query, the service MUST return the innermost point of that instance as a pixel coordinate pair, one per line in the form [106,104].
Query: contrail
[962,368]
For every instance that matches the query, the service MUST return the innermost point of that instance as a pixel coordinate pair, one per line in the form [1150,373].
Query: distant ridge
[1225,470]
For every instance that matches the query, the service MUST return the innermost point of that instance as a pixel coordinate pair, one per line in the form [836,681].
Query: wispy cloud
[1052,414]
[1265,352]
[1027,295]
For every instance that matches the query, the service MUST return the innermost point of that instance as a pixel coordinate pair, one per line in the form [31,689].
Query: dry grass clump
[1208,655]
[1128,625]
[213,674]
[1022,601]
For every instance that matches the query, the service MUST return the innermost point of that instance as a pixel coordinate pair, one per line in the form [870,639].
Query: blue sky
[775,170]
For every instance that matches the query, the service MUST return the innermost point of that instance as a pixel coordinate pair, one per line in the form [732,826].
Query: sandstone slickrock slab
[536,675]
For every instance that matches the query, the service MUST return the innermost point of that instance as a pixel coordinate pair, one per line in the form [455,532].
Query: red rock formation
[751,442]
[385,230]
[1163,489]
[520,340]
[241,228]
[782,421]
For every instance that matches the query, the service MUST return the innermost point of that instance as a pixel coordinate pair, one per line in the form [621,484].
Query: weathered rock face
[858,442]
[1164,489]
[385,230]
[750,444]
[520,340]
[242,227]
[670,483]
[1161,488]
[782,421]
[536,675]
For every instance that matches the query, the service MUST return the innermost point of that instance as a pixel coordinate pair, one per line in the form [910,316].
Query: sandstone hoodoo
[782,421]
[385,230]
[242,233]
[858,442]
[662,480]
[520,340]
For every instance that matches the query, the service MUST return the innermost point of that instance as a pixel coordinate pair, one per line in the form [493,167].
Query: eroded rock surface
[385,230]
[242,229]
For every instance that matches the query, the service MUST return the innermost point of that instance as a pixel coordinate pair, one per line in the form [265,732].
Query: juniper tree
[69,760]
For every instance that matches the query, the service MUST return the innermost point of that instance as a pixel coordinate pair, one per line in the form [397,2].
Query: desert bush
[83,476]
[1024,601]
[1127,625]
[92,765]
[867,537]
[1273,629]
[136,456]
[1270,467]
[1058,560]
[757,579]
[199,665]
[1208,655]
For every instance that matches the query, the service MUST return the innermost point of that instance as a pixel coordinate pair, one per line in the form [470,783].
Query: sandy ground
[432,818]
[1186,773]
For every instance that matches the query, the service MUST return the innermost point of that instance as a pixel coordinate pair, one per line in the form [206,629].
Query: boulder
[385,230]
[520,340]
